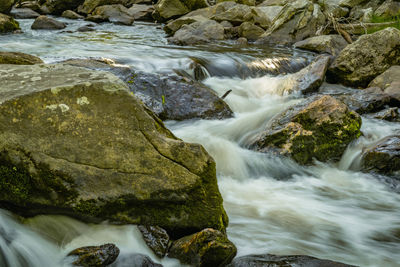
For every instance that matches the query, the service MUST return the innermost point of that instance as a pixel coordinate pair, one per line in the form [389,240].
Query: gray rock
[175,25]
[331,44]
[45,23]
[89,6]
[86,28]
[117,14]
[360,62]
[69,14]
[250,31]
[389,81]
[286,261]
[141,12]
[198,33]
[388,9]
[77,142]
[389,114]
[18,58]
[167,9]
[235,15]
[24,13]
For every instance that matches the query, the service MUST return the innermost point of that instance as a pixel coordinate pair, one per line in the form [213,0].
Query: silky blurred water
[330,211]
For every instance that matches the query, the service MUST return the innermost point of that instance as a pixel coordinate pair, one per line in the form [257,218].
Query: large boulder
[6,5]
[24,13]
[320,127]
[389,81]
[331,44]
[170,97]
[168,9]
[199,32]
[58,6]
[117,14]
[18,58]
[383,157]
[77,142]
[206,248]
[89,5]
[297,21]
[176,24]
[141,12]
[286,261]
[359,63]
[250,31]
[46,23]
[8,24]
[235,15]
[94,256]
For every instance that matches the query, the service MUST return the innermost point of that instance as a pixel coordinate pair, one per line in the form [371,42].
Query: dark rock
[206,248]
[320,127]
[95,256]
[360,62]
[156,238]
[331,44]
[18,58]
[57,7]
[77,142]
[141,12]
[383,157]
[170,97]
[85,29]
[46,23]
[269,260]
[24,13]
[8,24]
[389,114]
[6,5]
[134,260]
[69,14]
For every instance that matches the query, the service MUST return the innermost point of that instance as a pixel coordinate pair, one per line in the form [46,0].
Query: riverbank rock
[156,238]
[383,157]
[286,261]
[169,9]
[206,248]
[75,141]
[46,23]
[19,58]
[250,31]
[8,24]
[235,15]
[170,97]
[297,21]
[117,14]
[57,7]
[389,81]
[308,79]
[200,32]
[320,127]
[24,13]
[331,44]
[89,5]
[359,63]
[69,14]
[6,5]
[141,12]
[134,260]
[95,255]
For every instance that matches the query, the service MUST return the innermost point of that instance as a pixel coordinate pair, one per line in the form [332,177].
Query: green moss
[9,26]
[382,19]
[15,184]
[88,208]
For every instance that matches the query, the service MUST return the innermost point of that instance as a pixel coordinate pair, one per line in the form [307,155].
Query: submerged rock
[284,261]
[75,141]
[95,256]
[46,23]
[383,157]
[359,63]
[206,248]
[320,127]
[331,44]
[156,238]
[170,97]
[18,58]
[8,24]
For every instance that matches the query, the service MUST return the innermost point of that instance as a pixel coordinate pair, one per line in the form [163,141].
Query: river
[276,206]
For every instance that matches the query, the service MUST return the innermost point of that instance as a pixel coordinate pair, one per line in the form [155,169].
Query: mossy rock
[8,24]
[5,6]
[75,141]
[319,128]
[18,58]
[95,256]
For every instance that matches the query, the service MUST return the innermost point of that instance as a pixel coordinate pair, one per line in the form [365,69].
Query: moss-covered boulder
[94,256]
[8,24]
[206,248]
[75,141]
[18,58]
[383,157]
[168,9]
[360,62]
[6,5]
[318,128]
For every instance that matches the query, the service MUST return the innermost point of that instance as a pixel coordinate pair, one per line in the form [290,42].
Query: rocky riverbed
[191,133]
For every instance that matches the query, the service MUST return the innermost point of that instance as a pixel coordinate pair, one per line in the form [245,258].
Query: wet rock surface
[134,260]
[320,127]
[95,256]
[206,248]
[45,23]
[156,238]
[267,260]
[24,13]
[8,24]
[18,58]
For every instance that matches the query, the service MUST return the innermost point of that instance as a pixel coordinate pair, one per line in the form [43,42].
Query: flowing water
[330,211]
